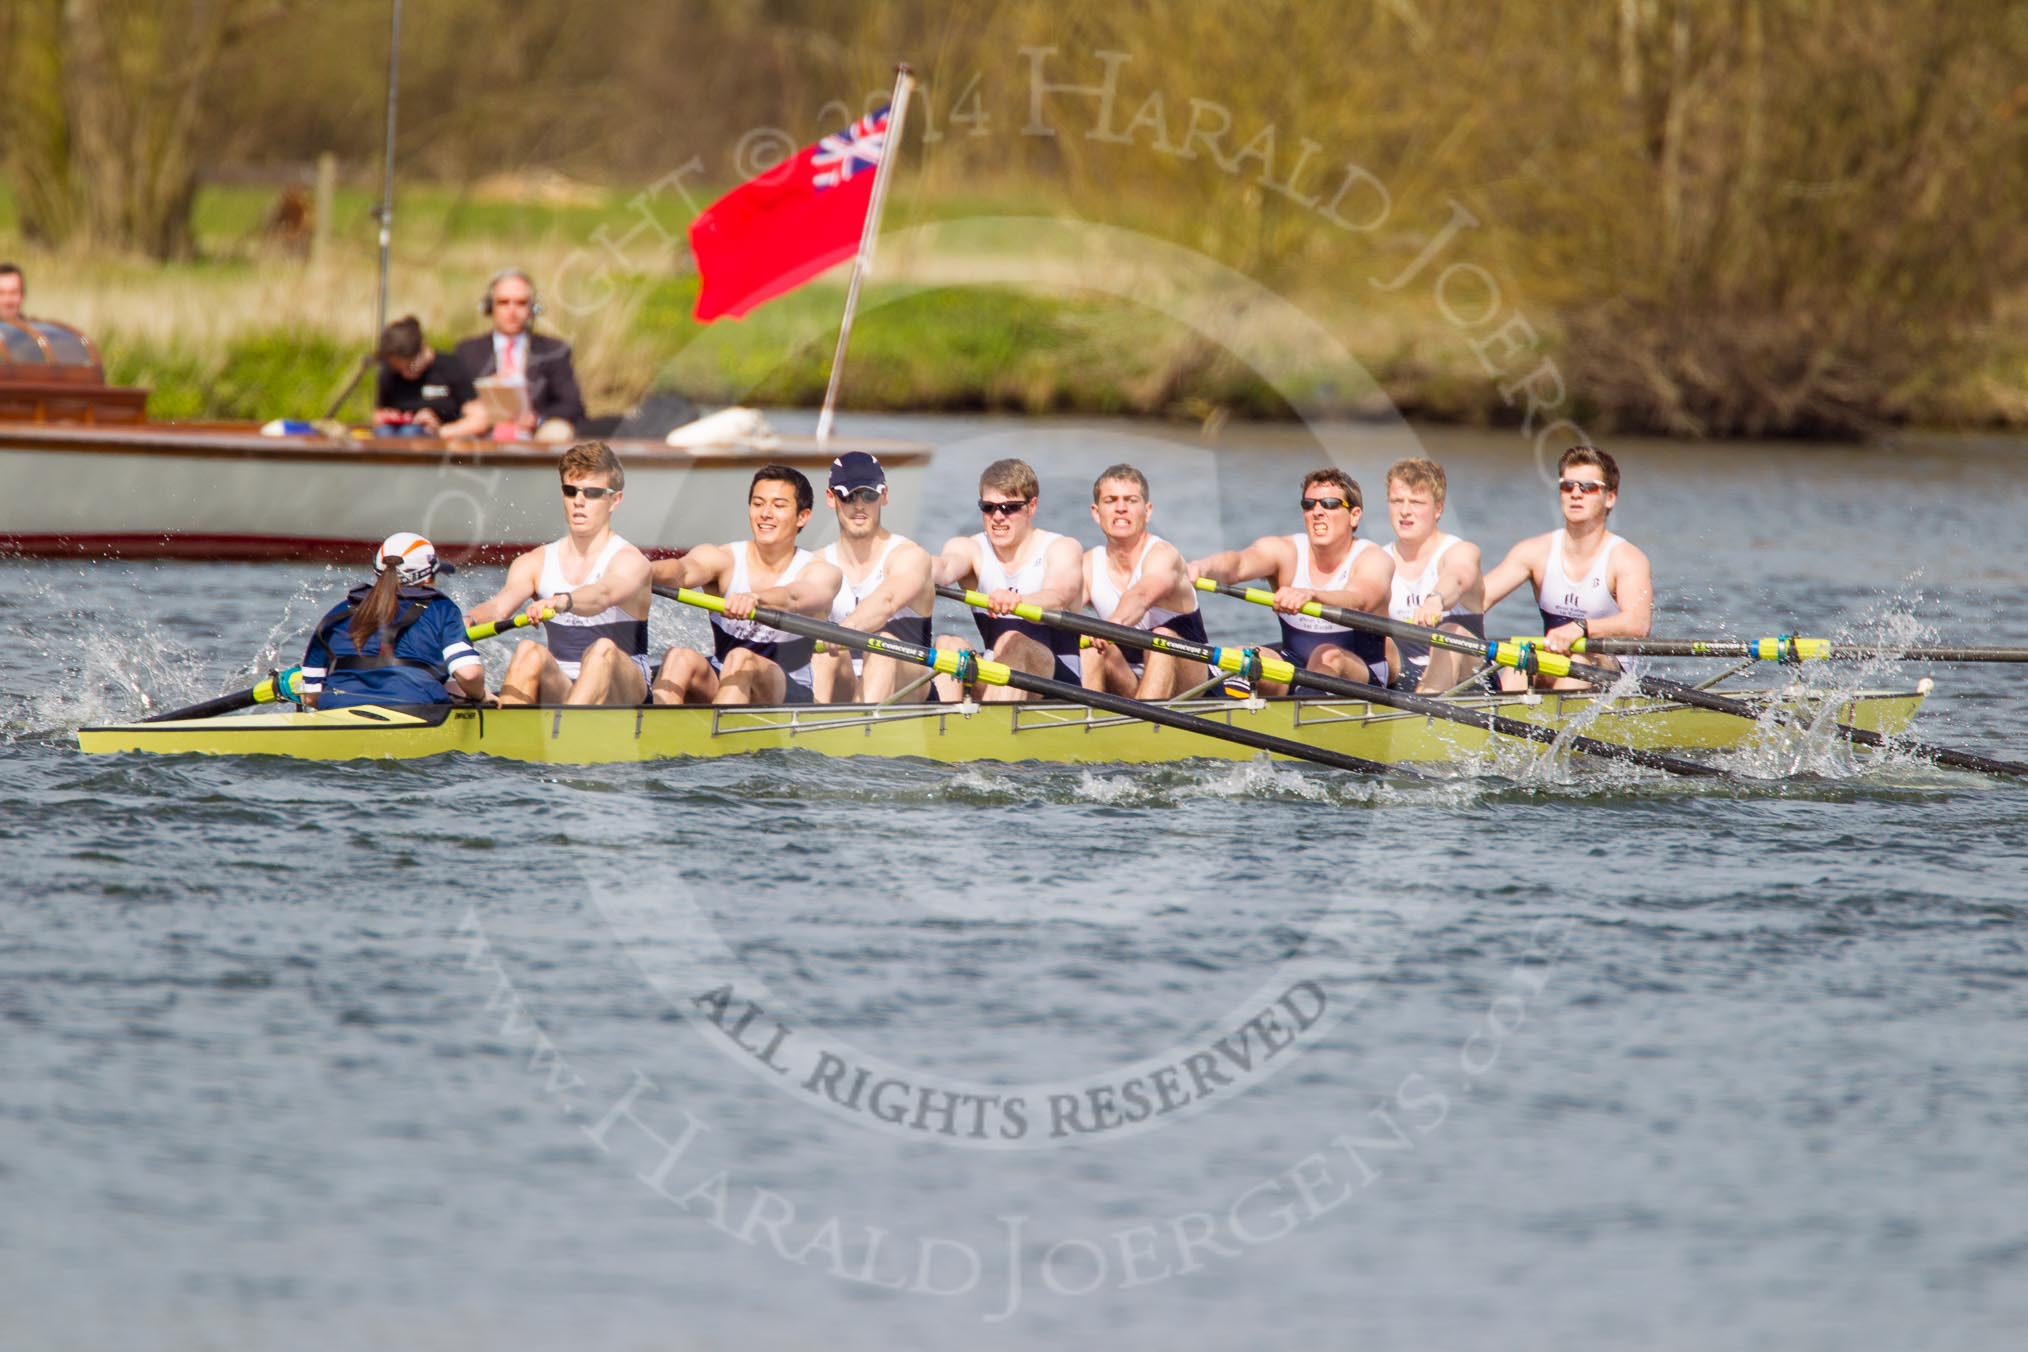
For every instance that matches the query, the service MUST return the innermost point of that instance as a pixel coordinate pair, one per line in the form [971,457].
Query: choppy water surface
[785,1052]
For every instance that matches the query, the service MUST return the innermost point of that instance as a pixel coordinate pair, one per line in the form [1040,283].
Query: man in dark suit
[540,362]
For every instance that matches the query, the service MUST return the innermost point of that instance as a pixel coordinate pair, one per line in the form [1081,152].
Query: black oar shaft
[1042,685]
[224,704]
[1793,649]
[1601,678]
[1405,701]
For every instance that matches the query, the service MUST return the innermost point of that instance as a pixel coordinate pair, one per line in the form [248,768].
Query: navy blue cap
[856,469]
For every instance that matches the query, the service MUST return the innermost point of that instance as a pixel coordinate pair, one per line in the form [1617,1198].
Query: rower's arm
[905,578]
[1633,585]
[956,563]
[1062,577]
[1516,570]
[316,664]
[1261,560]
[1370,587]
[522,576]
[461,659]
[1162,572]
[700,566]
[625,579]
[1459,583]
[810,592]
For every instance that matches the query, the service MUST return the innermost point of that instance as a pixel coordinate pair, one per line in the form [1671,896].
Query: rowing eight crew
[593,590]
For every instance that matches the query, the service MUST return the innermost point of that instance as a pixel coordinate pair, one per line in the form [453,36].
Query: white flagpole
[904,81]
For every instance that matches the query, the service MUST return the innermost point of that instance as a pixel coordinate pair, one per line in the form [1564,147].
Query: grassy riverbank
[983,304]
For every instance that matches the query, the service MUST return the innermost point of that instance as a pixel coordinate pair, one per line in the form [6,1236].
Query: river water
[783,1052]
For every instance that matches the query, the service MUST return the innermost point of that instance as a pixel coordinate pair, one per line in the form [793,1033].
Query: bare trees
[104,101]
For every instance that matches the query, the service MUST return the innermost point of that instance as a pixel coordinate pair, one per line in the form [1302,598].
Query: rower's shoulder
[909,553]
[530,560]
[1461,550]
[1163,553]
[1065,547]
[1276,546]
[716,557]
[1625,553]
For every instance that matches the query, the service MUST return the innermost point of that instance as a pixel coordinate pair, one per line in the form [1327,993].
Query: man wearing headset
[513,351]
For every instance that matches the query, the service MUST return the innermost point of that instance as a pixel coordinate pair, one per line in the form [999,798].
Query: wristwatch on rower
[569,606]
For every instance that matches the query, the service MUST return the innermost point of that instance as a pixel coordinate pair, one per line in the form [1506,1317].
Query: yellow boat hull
[956,733]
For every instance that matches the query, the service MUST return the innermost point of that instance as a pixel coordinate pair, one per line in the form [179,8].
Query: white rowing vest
[1411,592]
[993,575]
[851,594]
[1105,597]
[1562,598]
[570,634]
[749,632]
[790,652]
[1335,582]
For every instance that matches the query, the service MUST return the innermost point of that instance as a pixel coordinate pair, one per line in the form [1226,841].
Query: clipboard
[505,400]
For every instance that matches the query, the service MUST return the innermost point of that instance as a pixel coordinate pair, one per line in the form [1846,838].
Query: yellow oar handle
[492,627]
[948,661]
[1522,655]
[1229,659]
[1025,611]
[702,600]
[978,600]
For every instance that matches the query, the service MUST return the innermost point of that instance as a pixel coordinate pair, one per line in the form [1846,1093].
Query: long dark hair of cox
[376,612]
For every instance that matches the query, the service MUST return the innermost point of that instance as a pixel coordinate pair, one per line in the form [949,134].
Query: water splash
[1798,736]
[93,665]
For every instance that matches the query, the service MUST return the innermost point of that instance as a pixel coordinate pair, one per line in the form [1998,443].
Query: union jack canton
[855,150]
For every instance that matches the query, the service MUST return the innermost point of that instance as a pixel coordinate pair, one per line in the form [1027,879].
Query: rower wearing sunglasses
[885,586]
[1326,562]
[1588,581]
[750,662]
[597,585]
[1015,564]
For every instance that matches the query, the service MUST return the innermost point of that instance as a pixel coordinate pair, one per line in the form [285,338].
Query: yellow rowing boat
[957,733]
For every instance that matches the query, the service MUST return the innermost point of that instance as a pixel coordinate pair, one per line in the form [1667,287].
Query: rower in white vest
[1014,564]
[884,586]
[1327,562]
[1436,579]
[1138,579]
[1589,582]
[752,663]
[596,585]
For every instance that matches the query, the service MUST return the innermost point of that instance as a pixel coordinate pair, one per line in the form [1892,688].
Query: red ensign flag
[778,230]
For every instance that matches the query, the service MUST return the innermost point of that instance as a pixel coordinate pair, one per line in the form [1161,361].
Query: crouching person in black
[420,392]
